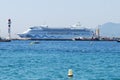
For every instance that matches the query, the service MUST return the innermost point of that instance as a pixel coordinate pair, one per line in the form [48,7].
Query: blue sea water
[50,60]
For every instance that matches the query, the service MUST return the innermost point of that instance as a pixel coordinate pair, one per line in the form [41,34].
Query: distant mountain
[110,29]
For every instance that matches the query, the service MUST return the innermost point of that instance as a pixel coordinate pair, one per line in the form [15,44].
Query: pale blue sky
[27,13]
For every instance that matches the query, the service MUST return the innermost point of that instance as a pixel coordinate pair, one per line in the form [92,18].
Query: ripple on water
[50,60]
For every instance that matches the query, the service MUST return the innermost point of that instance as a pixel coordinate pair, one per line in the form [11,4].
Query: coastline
[74,39]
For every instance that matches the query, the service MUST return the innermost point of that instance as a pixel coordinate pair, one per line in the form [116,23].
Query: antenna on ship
[9,30]
[78,24]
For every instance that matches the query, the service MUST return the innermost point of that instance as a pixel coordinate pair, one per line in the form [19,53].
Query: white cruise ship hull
[55,33]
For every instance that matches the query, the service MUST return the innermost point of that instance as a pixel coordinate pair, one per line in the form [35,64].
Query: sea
[51,60]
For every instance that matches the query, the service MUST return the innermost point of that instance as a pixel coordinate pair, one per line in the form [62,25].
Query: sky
[56,13]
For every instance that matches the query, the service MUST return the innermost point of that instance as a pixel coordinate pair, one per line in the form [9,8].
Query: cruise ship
[45,32]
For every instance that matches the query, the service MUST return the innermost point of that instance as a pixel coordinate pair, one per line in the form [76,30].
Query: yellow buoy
[70,73]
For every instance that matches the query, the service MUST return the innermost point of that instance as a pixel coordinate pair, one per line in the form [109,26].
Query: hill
[110,29]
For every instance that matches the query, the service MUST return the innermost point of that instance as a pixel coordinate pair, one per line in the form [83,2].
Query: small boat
[35,42]
[118,40]
[4,40]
